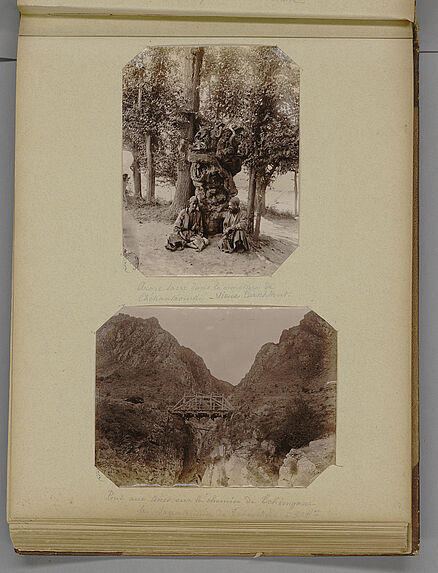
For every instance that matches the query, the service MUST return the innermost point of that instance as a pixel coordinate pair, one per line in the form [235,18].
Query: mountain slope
[141,372]
[284,409]
[304,358]
[137,355]
[285,402]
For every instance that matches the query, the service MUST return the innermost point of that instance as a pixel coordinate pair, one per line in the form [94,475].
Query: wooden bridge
[203,405]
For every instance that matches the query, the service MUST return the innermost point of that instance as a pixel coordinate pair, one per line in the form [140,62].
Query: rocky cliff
[286,401]
[304,358]
[280,433]
[149,359]
[141,372]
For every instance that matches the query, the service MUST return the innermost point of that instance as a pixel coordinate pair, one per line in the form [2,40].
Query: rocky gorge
[281,431]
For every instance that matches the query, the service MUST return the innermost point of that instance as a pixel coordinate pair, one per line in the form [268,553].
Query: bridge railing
[203,403]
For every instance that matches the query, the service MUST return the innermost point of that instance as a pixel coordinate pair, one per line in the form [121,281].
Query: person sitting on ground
[234,237]
[188,230]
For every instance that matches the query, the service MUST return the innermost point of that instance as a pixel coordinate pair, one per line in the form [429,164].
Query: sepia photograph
[215,397]
[210,161]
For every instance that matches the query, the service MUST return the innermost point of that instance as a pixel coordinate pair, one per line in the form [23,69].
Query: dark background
[427,561]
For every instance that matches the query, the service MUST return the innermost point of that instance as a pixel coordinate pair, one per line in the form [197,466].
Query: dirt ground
[145,232]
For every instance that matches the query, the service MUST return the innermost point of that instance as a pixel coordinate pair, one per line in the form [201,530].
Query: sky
[228,339]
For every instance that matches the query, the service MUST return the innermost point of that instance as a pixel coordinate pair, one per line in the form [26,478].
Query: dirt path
[145,236]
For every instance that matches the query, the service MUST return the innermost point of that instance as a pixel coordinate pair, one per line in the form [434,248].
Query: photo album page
[214,278]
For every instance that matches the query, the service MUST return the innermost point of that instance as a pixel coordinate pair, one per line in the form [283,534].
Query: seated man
[234,229]
[188,230]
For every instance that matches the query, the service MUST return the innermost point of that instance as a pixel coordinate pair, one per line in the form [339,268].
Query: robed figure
[188,230]
[234,236]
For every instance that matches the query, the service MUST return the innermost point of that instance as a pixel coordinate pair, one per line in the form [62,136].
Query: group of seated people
[188,230]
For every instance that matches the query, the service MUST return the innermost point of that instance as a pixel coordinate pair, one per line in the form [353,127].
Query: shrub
[300,424]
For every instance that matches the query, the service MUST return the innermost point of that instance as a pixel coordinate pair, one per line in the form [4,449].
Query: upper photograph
[210,168]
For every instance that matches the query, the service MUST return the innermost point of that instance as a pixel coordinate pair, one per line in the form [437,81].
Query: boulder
[300,467]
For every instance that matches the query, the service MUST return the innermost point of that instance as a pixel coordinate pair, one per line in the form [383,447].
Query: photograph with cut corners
[229,396]
[210,169]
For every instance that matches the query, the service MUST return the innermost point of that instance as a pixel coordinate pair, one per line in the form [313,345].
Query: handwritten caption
[261,504]
[206,292]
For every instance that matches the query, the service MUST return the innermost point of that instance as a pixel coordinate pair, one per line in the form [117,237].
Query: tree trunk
[251,200]
[258,221]
[135,167]
[184,185]
[261,206]
[136,173]
[150,170]
[296,207]
[125,187]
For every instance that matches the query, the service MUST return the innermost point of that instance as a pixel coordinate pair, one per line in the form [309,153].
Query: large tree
[193,58]
[223,78]
[256,89]
[170,92]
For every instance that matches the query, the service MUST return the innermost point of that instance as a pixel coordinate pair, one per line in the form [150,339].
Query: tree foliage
[152,99]
[300,425]
[255,89]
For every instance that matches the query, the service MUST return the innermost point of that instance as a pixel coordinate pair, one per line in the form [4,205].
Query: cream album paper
[212,268]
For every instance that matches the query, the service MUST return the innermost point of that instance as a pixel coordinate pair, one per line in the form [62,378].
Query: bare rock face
[302,466]
[247,465]
[215,159]
[138,354]
[281,431]
[250,465]
[141,372]
[304,357]
[261,445]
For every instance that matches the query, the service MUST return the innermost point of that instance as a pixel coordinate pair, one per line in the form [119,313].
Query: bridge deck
[203,405]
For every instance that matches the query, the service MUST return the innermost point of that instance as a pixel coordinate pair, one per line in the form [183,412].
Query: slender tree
[132,139]
[150,103]
[272,127]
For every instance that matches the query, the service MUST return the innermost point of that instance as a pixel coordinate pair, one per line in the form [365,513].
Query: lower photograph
[215,396]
